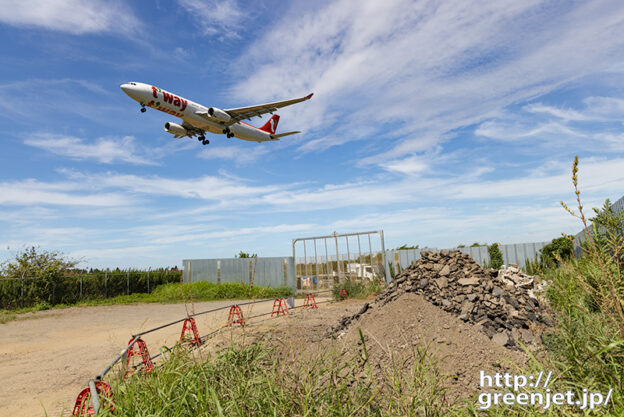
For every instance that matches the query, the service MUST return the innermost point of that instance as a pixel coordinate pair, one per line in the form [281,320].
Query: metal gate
[329,260]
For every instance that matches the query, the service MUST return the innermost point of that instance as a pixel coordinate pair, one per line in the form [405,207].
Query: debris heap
[502,304]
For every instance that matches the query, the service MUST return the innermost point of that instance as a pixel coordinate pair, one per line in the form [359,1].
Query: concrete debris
[503,304]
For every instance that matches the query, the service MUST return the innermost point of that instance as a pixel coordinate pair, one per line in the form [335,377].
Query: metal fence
[580,237]
[28,291]
[330,259]
[517,253]
[266,272]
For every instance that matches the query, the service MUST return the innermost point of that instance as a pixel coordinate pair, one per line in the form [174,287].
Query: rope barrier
[79,409]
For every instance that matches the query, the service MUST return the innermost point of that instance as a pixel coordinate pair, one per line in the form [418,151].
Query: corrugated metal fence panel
[200,270]
[269,271]
[515,253]
[521,252]
[478,253]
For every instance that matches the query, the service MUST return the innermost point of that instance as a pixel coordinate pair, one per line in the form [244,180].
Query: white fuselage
[191,112]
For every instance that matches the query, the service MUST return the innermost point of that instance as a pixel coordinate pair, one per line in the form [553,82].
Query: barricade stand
[279,307]
[236,316]
[190,326]
[139,348]
[310,301]
[83,406]
[344,293]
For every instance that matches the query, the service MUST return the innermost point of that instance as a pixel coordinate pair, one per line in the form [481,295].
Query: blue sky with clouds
[439,122]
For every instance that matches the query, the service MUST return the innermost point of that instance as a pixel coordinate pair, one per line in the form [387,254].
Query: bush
[358,288]
[496,256]
[208,291]
[587,295]
[53,289]
[561,248]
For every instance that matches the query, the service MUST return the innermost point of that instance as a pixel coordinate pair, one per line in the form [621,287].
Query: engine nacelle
[175,129]
[219,114]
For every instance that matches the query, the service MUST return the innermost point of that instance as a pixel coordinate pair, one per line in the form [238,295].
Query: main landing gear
[203,140]
[228,133]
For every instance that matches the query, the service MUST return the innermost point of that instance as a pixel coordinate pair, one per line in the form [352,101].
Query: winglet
[308,97]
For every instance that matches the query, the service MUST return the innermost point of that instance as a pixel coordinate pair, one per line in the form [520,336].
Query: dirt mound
[504,310]
[393,332]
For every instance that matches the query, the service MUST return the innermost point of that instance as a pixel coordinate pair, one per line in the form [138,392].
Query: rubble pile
[502,303]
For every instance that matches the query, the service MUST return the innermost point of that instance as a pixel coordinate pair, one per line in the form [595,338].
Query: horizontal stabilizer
[281,135]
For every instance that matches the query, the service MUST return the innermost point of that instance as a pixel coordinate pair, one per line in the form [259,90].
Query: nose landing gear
[143,109]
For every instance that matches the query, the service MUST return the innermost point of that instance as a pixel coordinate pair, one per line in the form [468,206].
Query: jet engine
[219,114]
[175,129]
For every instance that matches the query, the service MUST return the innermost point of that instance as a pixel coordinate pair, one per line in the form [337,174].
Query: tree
[38,263]
[402,247]
[496,256]
[242,254]
[561,247]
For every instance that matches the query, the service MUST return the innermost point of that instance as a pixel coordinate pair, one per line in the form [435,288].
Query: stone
[442,283]
[467,307]
[468,281]
[498,291]
[527,336]
[445,271]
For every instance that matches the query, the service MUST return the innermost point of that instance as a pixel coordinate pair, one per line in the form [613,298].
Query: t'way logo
[170,98]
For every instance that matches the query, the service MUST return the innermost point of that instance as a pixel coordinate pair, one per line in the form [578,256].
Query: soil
[48,357]
[48,360]
[393,332]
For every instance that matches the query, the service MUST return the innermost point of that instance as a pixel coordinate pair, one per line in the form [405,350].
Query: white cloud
[32,192]
[71,16]
[221,18]
[237,154]
[105,150]
[217,188]
[562,113]
[422,68]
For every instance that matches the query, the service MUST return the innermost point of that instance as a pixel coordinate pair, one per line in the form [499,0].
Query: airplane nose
[125,87]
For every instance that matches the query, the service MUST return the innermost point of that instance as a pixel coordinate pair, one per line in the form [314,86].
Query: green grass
[166,293]
[359,289]
[255,381]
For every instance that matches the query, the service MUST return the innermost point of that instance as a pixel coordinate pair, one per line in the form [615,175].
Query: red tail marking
[271,125]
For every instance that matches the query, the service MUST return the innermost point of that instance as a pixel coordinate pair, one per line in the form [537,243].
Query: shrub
[496,256]
[358,288]
[587,295]
[560,249]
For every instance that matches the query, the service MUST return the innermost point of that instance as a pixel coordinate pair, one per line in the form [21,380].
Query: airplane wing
[242,113]
[192,130]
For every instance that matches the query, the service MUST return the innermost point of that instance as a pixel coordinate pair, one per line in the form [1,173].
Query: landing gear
[205,142]
[230,135]
[143,109]
[226,131]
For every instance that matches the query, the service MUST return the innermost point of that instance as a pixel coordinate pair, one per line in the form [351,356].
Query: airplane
[198,119]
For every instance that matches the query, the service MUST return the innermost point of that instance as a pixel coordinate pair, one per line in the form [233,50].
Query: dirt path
[47,360]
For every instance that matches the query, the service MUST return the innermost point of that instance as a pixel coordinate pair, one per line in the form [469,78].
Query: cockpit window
[132,83]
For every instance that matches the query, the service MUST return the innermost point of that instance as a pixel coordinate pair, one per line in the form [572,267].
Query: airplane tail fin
[271,125]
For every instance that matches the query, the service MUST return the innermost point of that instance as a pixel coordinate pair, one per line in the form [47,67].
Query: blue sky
[439,122]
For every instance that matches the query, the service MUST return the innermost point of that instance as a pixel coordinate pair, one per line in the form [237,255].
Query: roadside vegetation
[585,350]
[165,293]
[359,288]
